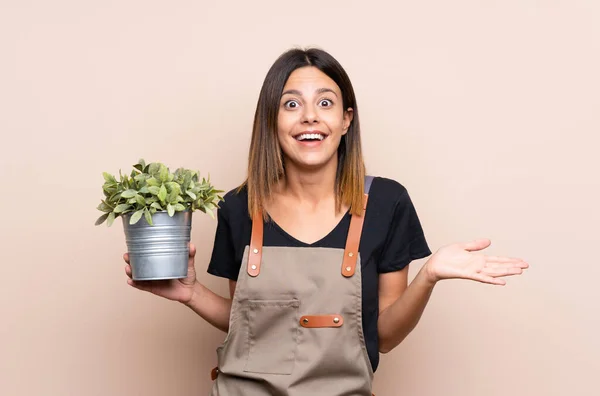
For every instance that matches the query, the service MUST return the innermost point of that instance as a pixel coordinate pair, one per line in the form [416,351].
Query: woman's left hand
[458,261]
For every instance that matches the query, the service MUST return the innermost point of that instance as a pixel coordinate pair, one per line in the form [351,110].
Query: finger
[126,257]
[488,279]
[128,270]
[496,261]
[477,244]
[504,260]
[517,264]
[506,271]
[191,257]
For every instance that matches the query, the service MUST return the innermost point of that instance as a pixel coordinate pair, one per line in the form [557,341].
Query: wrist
[194,296]
[429,275]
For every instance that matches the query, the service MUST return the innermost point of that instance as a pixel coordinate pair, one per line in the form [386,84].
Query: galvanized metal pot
[159,251]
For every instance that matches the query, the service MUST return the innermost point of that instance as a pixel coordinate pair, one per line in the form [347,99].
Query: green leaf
[136,216]
[153,168]
[162,193]
[144,190]
[128,193]
[173,186]
[179,207]
[148,216]
[140,165]
[174,191]
[131,200]
[121,208]
[140,200]
[109,178]
[163,173]
[191,194]
[115,197]
[102,218]
[104,207]
[154,190]
[156,205]
[151,181]
[170,210]
[111,218]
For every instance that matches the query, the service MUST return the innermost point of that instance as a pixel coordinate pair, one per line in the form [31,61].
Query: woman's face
[311,119]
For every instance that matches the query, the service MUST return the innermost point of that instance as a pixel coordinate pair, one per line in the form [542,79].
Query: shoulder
[387,192]
[235,203]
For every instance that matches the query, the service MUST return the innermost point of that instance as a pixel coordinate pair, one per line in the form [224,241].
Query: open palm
[459,261]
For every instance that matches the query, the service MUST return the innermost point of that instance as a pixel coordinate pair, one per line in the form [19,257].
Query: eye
[291,104]
[325,103]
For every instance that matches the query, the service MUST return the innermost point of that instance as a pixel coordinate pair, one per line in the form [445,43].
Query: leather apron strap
[256,245]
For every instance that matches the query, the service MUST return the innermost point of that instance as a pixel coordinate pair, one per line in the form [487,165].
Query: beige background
[487,111]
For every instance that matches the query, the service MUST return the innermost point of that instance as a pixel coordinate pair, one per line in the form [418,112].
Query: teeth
[305,136]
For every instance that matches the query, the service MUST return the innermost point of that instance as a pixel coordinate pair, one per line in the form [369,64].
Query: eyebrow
[296,92]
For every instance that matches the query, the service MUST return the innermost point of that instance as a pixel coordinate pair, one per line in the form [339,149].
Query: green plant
[151,188]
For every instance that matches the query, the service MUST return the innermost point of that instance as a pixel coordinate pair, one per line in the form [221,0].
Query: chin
[311,163]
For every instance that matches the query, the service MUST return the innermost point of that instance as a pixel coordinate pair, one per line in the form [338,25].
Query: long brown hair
[265,160]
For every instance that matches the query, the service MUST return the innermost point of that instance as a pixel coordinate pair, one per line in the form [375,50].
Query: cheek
[285,125]
[336,122]
[283,121]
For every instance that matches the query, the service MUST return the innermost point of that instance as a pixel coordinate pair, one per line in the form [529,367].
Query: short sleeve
[223,262]
[405,240]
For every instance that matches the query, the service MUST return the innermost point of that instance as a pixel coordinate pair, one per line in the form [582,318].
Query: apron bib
[296,321]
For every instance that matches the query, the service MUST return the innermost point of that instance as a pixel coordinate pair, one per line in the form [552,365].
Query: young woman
[316,252]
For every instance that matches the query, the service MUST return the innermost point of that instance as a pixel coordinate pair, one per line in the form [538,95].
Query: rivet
[305,320]
[253,267]
[336,320]
[348,269]
[350,254]
[255,250]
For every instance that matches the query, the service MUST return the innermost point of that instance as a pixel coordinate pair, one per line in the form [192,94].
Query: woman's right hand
[180,290]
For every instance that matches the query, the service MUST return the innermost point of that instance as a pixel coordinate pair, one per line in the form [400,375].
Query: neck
[311,187]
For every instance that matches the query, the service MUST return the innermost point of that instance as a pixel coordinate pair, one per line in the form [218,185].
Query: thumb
[477,244]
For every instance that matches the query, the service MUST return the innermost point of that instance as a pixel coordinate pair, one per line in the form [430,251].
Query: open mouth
[310,137]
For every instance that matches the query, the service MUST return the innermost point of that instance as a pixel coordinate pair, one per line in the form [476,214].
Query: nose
[310,115]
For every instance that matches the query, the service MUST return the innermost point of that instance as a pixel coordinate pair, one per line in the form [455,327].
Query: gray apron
[296,321]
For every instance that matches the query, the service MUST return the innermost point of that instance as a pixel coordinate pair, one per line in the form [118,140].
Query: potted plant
[156,207]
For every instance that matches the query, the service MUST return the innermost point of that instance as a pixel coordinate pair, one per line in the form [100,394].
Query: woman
[316,252]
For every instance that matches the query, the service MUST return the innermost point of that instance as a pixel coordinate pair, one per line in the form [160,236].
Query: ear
[348,117]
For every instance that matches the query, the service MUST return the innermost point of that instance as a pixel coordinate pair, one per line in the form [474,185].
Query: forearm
[402,316]
[211,307]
